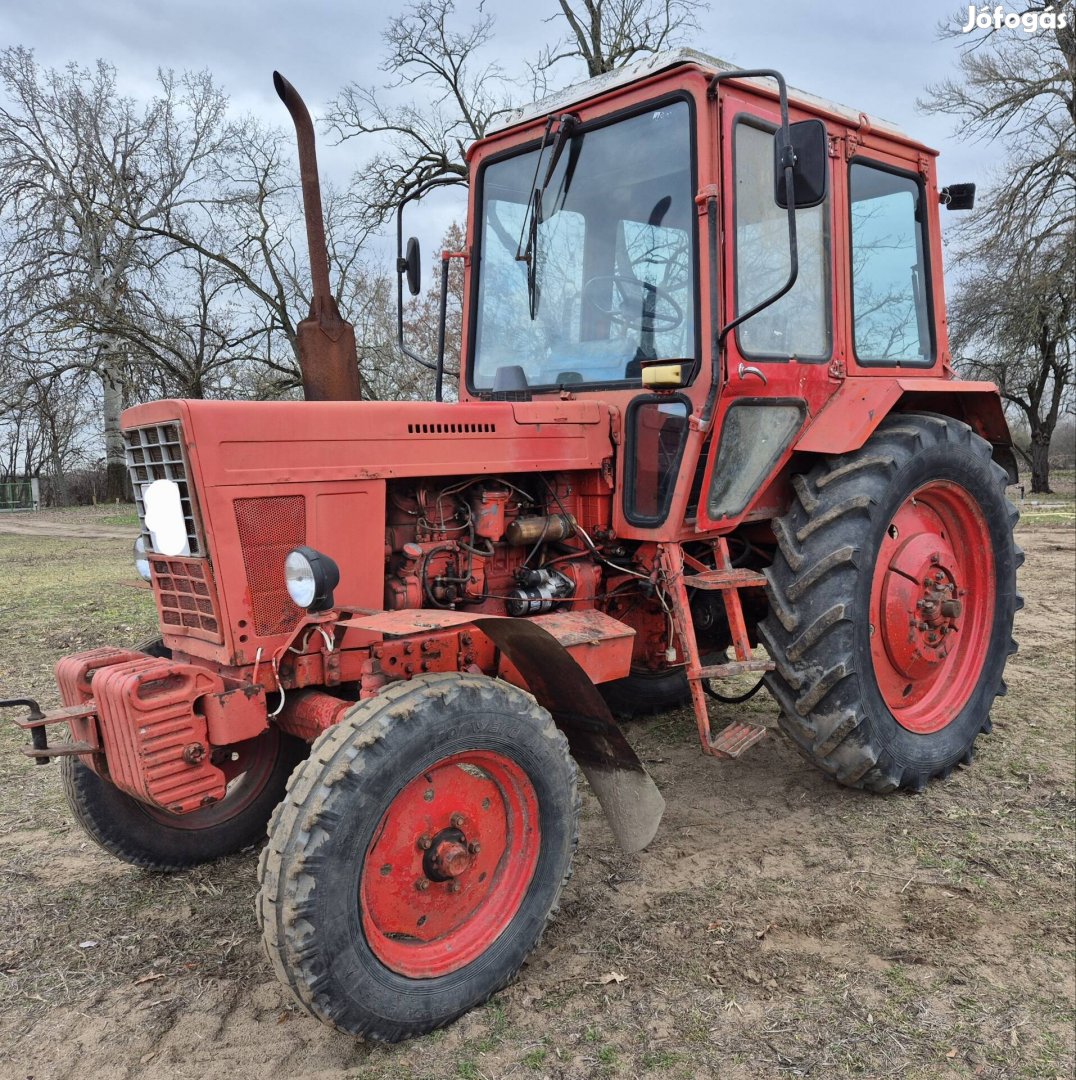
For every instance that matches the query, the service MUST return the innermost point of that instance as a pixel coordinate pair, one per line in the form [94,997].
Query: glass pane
[614,256]
[798,323]
[658,432]
[888,275]
[752,440]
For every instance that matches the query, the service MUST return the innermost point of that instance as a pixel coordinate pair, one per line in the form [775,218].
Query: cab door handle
[744,370]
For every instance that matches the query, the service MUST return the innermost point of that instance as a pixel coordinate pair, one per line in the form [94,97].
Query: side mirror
[811,164]
[958,196]
[411,265]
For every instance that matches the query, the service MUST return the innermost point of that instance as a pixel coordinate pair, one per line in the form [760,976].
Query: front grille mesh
[186,597]
[156,453]
[269,528]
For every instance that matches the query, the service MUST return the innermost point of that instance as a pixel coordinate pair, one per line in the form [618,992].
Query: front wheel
[418,855]
[892,598]
[154,839]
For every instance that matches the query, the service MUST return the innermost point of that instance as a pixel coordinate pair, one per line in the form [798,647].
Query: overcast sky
[876,58]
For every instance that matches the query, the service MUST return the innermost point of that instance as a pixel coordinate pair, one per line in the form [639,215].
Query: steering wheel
[640,305]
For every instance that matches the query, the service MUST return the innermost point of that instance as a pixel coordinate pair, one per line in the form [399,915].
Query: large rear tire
[418,855]
[892,598]
[157,840]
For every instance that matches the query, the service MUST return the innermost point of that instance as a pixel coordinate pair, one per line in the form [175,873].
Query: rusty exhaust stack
[327,356]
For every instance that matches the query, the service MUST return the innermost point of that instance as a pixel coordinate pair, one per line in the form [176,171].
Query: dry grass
[779,926]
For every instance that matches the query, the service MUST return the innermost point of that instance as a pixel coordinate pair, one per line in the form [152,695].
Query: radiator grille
[156,453]
[186,598]
[268,529]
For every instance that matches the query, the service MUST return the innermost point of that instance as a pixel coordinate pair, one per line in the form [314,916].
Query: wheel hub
[448,856]
[920,594]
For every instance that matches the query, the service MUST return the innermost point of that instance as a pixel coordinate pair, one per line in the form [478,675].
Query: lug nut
[453,886]
[424,842]
[456,821]
[474,847]
[422,884]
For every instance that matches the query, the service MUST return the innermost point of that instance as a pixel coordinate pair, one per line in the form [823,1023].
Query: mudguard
[630,799]
[861,404]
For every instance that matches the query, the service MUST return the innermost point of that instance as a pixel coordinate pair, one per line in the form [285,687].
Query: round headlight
[141,559]
[311,577]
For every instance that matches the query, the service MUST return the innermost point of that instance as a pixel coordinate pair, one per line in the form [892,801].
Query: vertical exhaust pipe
[326,342]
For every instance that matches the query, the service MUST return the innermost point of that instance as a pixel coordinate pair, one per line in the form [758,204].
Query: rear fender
[850,417]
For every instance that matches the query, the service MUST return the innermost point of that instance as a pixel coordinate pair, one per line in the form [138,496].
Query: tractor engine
[518,546]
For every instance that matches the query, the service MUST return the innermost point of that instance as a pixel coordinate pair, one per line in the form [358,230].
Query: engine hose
[711,692]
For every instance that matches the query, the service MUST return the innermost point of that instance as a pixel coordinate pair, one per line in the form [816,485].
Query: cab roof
[652,65]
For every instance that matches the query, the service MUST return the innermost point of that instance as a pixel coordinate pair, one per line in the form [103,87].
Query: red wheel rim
[449,864]
[247,767]
[932,606]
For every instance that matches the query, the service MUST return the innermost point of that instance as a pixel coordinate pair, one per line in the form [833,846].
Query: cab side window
[890,313]
[797,325]
[657,431]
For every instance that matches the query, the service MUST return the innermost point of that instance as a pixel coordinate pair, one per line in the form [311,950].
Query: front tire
[892,598]
[418,855]
[154,839]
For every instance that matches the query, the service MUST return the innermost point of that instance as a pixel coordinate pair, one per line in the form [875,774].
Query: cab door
[774,363]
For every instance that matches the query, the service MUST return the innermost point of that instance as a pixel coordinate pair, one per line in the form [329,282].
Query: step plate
[735,578]
[734,740]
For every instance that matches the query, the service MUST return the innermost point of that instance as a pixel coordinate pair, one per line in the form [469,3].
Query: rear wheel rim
[449,864]
[932,606]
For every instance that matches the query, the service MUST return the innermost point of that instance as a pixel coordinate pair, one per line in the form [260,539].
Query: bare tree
[446,90]
[607,34]
[82,168]
[465,95]
[242,230]
[1013,321]
[1013,317]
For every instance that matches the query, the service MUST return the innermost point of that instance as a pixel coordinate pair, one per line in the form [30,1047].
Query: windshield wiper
[566,125]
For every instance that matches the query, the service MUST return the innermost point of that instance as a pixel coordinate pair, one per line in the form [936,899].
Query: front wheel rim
[450,863]
[933,598]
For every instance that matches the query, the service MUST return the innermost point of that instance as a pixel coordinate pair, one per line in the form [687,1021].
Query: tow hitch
[36,721]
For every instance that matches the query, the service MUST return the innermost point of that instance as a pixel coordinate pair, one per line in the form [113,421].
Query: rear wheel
[892,599]
[154,839]
[643,693]
[418,855]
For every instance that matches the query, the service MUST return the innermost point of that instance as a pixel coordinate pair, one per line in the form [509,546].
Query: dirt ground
[778,926]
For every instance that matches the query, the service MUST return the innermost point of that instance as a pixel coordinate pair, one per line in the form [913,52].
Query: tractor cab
[677,239]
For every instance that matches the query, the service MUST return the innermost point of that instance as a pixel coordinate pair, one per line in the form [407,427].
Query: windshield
[614,256]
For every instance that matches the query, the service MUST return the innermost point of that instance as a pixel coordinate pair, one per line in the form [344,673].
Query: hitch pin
[38,737]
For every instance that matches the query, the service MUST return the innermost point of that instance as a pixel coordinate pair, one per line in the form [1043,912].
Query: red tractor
[706,404]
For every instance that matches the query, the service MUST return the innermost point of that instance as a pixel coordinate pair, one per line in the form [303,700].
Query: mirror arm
[788,160]
[442,320]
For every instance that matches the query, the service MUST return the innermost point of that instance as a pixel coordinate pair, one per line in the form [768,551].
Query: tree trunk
[61,496]
[116,487]
[1040,463]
